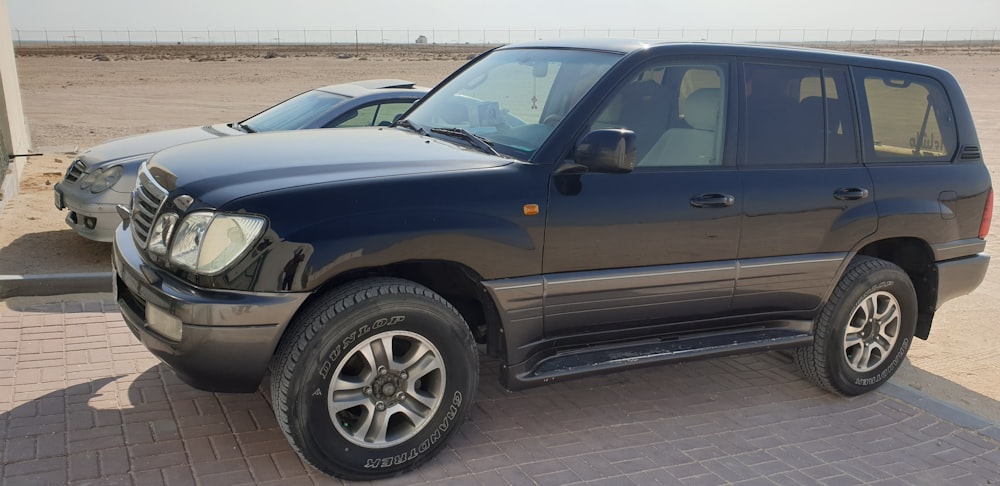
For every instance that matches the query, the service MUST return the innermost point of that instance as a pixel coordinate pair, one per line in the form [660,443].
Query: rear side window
[798,115]
[910,118]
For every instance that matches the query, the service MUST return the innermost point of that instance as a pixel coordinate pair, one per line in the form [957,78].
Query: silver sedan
[103,177]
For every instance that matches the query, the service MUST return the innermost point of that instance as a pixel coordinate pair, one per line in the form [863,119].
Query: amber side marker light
[530,209]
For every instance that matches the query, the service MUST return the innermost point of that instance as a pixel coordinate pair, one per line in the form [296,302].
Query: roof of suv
[628,46]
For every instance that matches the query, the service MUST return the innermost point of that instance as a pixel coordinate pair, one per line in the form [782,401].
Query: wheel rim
[871,331]
[387,389]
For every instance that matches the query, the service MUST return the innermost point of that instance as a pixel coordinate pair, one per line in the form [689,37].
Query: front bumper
[227,337]
[94,220]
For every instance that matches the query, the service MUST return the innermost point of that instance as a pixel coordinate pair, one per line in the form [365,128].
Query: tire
[864,330]
[371,380]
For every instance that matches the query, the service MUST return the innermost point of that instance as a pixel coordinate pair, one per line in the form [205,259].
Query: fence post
[357,44]
[923,33]
[18,37]
[101,34]
[970,39]
[128,32]
[875,40]
[46,37]
[156,41]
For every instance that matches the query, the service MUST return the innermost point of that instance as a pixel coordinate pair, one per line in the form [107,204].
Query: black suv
[573,207]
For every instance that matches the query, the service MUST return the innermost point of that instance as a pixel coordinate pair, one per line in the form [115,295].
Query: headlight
[207,243]
[90,178]
[105,179]
[159,235]
[100,180]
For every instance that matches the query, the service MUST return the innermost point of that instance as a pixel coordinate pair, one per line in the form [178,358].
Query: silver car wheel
[386,389]
[871,331]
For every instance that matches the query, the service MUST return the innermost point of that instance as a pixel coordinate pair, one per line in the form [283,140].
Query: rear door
[808,199]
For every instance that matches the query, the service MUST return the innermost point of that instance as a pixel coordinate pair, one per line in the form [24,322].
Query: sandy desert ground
[73,102]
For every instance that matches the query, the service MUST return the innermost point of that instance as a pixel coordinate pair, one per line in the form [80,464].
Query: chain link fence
[848,39]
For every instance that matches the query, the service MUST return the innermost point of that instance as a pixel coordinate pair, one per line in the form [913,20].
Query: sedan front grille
[75,171]
[146,201]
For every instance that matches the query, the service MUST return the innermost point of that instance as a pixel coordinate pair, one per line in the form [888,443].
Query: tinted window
[910,117]
[677,112]
[798,115]
[295,113]
[784,125]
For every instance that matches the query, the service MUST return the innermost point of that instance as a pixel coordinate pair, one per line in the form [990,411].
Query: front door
[655,247]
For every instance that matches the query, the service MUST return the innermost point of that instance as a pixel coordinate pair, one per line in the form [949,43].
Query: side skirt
[578,362]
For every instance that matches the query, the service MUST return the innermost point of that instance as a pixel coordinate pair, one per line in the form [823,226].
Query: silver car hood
[112,151]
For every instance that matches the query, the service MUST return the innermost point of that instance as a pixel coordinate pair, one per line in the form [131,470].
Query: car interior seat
[690,146]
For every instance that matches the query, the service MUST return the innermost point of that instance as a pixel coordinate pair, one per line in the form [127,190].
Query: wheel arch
[456,283]
[916,258]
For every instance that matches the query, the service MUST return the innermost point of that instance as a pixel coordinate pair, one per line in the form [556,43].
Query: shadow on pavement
[50,252]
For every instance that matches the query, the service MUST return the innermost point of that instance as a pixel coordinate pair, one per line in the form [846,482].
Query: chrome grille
[76,169]
[146,201]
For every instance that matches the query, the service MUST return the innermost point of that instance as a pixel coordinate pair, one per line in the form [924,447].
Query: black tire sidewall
[308,390]
[891,280]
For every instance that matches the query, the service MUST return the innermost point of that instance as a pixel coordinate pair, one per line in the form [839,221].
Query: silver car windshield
[299,112]
[514,98]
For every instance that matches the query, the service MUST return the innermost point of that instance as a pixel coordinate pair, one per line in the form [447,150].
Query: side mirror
[608,151]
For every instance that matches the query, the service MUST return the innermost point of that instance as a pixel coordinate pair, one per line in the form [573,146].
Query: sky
[502,14]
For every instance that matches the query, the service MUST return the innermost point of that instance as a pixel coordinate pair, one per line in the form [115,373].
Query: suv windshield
[295,113]
[513,98]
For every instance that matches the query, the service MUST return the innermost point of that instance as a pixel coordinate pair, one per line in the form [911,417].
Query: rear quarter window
[909,118]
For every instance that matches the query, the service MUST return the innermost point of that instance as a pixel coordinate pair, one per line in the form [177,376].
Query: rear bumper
[227,338]
[960,276]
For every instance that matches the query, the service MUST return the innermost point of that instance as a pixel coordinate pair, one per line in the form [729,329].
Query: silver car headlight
[206,243]
[104,179]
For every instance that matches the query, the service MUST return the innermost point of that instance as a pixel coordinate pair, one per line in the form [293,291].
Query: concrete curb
[54,284]
[943,410]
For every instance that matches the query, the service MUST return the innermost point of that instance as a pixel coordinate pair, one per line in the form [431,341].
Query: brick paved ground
[83,403]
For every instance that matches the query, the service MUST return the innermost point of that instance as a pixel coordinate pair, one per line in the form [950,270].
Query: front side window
[910,118]
[677,111]
[514,98]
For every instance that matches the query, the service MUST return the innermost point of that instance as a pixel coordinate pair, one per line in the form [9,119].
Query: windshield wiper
[243,127]
[412,126]
[475,140]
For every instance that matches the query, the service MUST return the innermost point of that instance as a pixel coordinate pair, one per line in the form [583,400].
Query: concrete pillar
[14,136]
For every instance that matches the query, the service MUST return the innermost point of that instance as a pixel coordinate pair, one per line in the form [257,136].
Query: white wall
[13,127]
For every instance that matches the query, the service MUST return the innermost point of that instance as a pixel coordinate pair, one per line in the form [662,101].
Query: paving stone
[85,403]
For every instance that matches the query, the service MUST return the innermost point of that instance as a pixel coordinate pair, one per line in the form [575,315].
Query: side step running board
[580,362]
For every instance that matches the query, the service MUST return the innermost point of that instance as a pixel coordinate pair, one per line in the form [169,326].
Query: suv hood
[220,170]
[111,151]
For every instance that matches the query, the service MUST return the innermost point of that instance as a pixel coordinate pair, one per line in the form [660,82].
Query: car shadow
[51,252]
